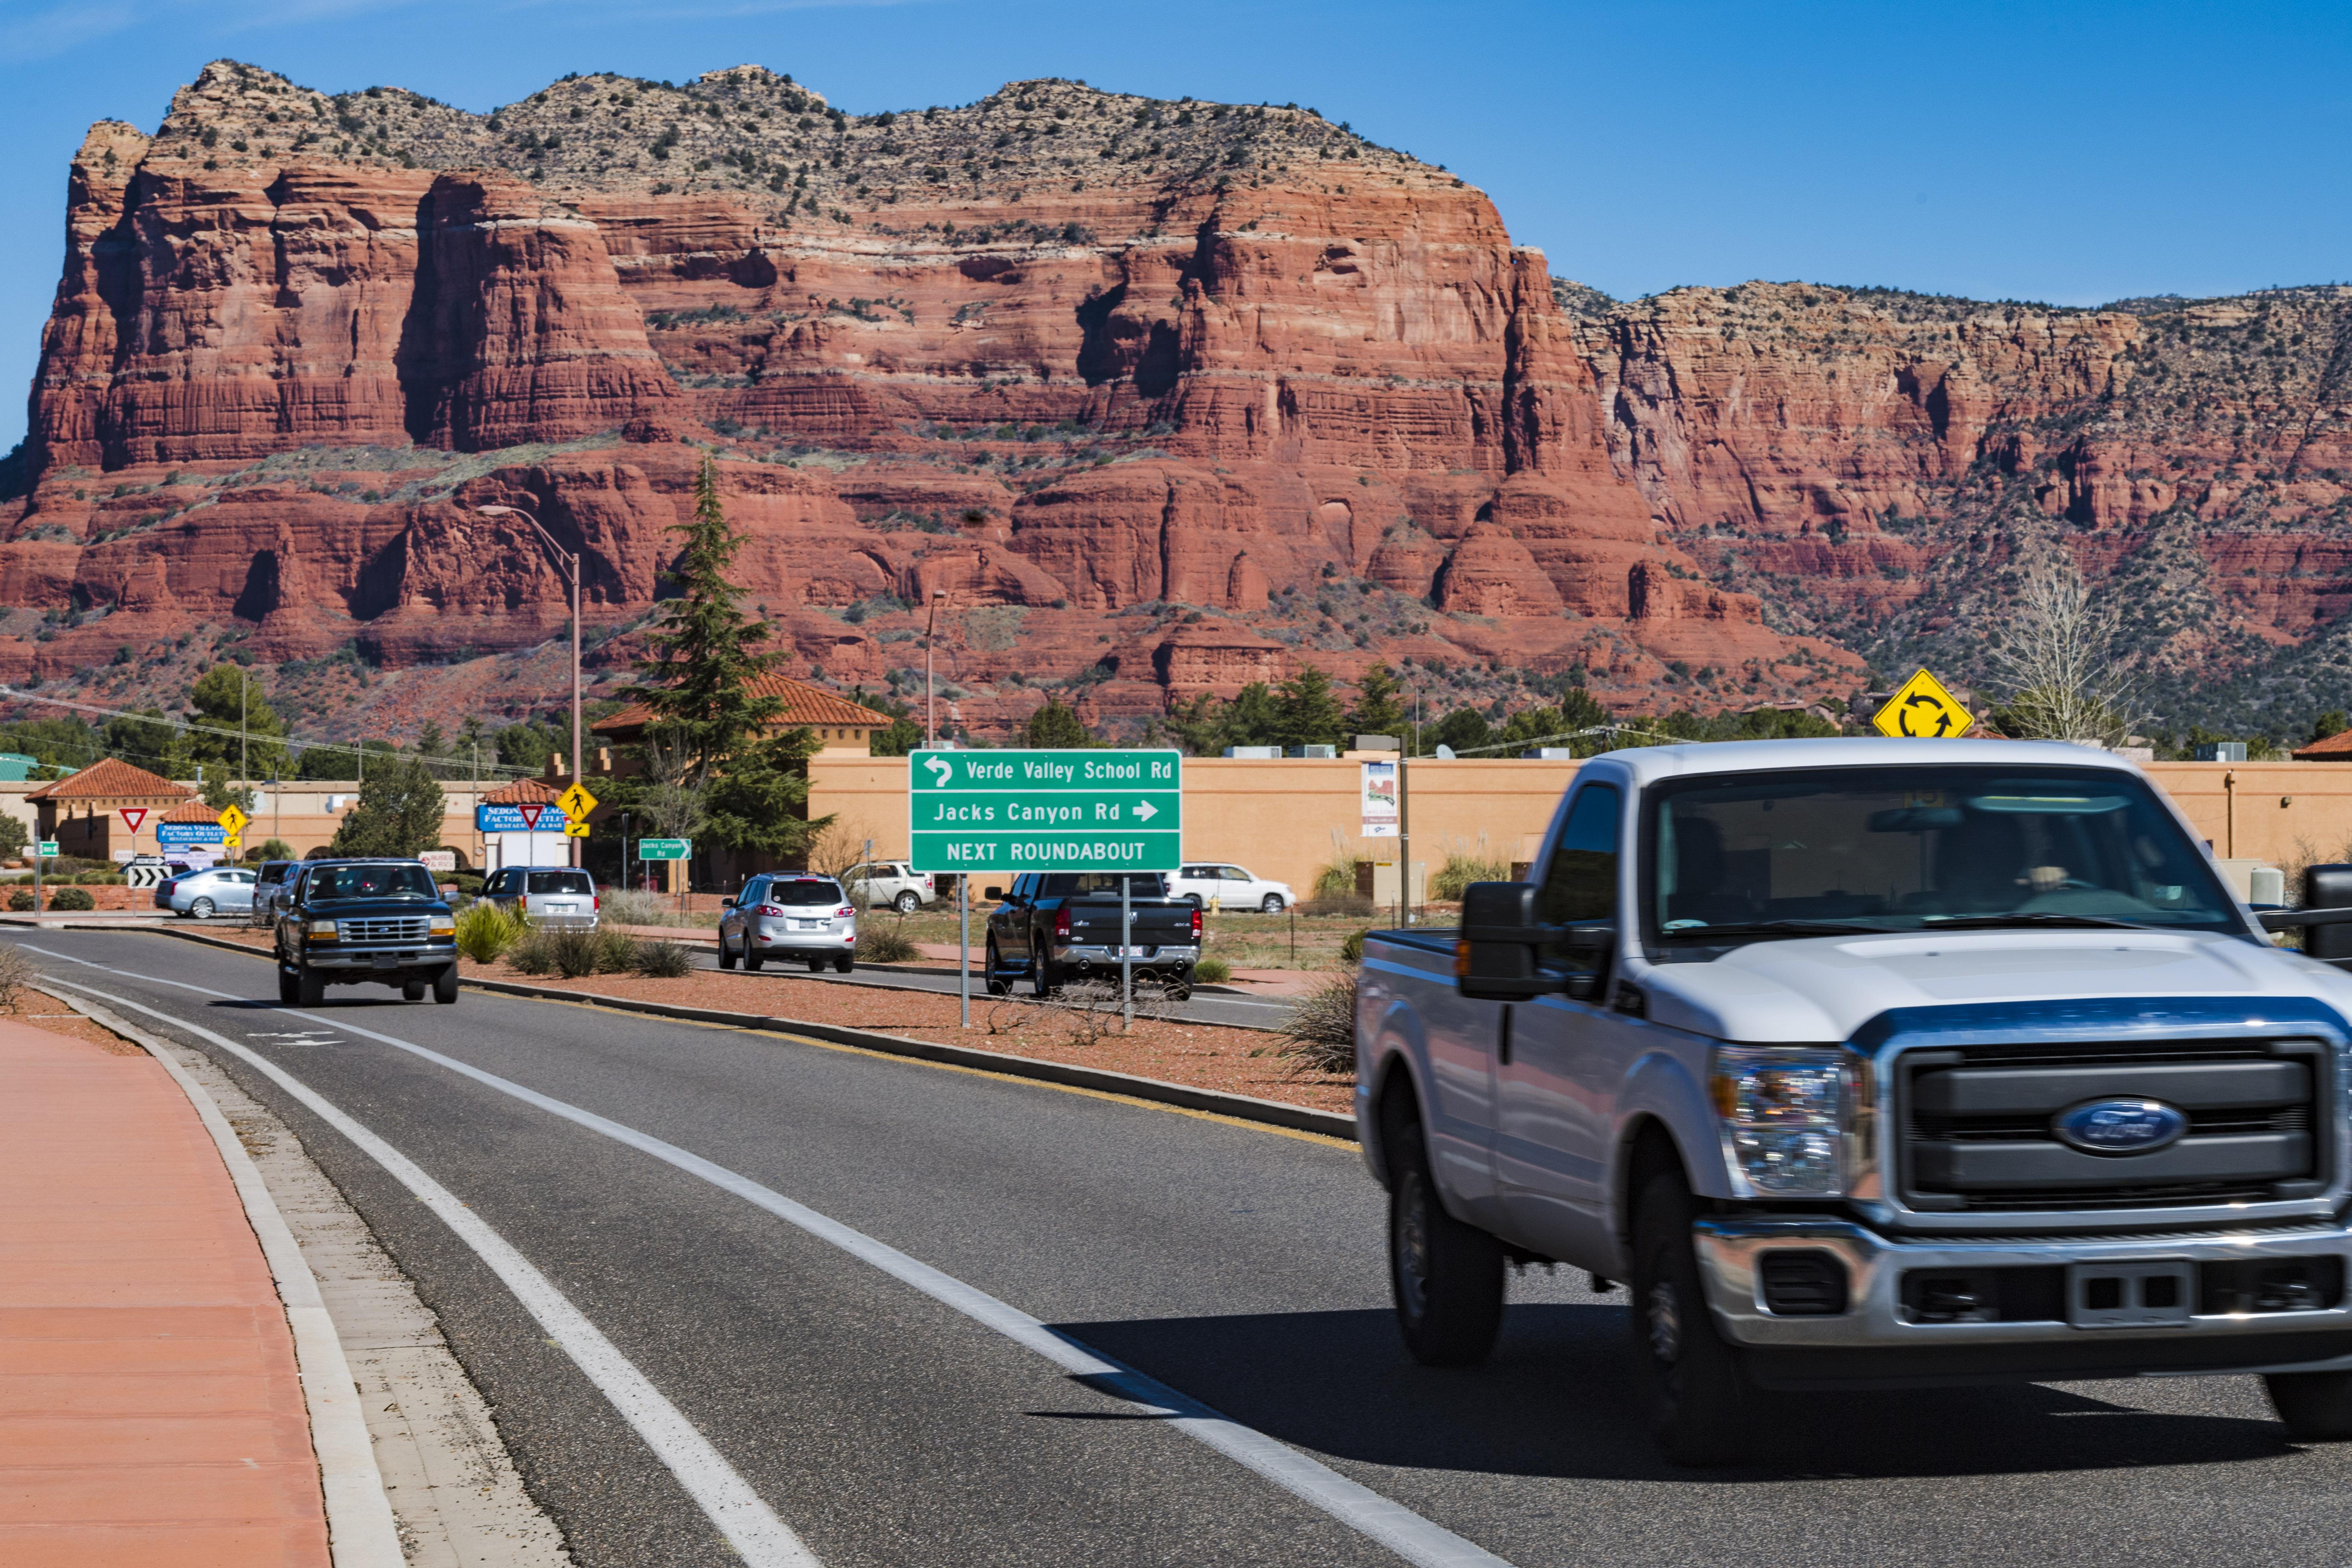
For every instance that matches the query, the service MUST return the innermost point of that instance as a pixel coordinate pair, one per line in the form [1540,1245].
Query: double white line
[748,1524]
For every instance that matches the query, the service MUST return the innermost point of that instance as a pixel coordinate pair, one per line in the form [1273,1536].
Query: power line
[185,726]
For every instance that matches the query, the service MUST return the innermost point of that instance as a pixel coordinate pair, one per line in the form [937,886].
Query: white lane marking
[1394,1525]
[751,1527]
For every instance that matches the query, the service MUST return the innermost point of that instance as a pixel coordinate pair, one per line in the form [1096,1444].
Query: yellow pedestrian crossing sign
[231,821]
[577,803]
[1923,709]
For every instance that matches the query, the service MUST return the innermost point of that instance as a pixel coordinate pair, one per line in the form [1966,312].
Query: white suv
[891,884]
[1229,888]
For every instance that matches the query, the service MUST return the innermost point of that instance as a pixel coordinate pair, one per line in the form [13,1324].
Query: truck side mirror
[1501,954]
[994,895]
[1494,957]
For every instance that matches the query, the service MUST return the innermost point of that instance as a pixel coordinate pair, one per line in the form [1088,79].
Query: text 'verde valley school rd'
[1045,810]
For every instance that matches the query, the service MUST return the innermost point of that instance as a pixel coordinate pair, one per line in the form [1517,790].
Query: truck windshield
[1743,855]
[330,884]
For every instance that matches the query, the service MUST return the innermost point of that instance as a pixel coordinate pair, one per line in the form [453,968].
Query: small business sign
[508,818]
[185,835]
[1923,707]
[442,860]
[665,848]
[1380,804]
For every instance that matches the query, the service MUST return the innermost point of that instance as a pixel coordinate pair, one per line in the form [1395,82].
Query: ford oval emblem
[2120,1126]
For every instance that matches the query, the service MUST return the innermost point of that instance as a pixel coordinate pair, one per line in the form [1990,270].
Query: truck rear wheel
[1447,1276]
[996,985]
[1696,1397]
[2316,1407]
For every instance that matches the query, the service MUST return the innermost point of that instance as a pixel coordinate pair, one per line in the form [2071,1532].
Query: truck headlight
[322,931]
[442,930]
[1783,1114]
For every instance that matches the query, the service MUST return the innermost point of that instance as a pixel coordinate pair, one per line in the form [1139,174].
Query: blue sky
[2068,153]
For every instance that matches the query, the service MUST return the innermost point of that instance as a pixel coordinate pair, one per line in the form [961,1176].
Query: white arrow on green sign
[665,848]
[1017,810]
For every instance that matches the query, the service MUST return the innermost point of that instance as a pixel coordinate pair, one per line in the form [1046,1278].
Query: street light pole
[570,560]
[931,691]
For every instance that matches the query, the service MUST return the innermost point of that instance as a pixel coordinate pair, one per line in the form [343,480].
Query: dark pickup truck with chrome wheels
[1056,927]
[346,921]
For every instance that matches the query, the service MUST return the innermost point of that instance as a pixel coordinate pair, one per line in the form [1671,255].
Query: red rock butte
[1171,396]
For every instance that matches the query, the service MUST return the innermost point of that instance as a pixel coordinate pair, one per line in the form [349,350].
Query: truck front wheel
[1694,1395]
[2315,1405]
[309,987]
[1447,1276]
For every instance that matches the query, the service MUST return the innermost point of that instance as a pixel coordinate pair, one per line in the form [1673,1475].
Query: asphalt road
[874,1292]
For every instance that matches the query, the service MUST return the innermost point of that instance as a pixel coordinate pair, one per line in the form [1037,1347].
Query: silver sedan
[222,889]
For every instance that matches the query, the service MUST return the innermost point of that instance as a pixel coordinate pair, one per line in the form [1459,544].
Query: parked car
[789,914]
[1057,926]
[555,896]
[218,889]
[891,884]
[272,881]
[1229,888]
[365,919]
[1871,1063]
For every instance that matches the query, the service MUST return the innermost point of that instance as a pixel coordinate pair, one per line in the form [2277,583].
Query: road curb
[1069,1075]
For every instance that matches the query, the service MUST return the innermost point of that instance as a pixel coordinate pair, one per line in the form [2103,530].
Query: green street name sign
[665,848]
[50,847]
[1045,810]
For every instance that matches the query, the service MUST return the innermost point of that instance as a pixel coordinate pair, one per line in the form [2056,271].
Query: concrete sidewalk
[150,1409]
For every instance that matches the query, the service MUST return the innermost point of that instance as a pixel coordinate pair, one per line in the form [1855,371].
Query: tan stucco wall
[1277,817]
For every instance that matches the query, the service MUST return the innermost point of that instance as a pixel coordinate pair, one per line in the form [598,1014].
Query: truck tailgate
[1094,922]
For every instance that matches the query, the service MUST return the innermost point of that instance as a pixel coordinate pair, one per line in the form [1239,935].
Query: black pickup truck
[1056,927]
[350,921]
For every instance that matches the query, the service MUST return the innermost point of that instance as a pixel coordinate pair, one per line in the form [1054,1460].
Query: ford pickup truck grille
[1978,1132]
[387,928]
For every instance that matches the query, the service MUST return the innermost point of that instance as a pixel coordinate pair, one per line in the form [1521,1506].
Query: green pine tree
[1057,724]
[703,652]
[1379,709]
[213,702]
[399,811]
[1464,730]
[1310,711]
[756,804]
[1253,718]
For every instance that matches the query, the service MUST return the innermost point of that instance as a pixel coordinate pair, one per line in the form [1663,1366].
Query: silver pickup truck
[1870,1064]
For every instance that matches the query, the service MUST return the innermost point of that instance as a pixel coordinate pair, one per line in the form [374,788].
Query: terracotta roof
[111,778]
[2335,749]
[194,811]
[803,704]
[522,792]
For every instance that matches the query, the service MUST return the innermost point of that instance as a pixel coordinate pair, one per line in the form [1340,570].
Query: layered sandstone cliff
[1151,388]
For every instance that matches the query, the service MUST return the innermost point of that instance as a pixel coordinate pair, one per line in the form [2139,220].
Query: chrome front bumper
[1729,1248]
[424,955]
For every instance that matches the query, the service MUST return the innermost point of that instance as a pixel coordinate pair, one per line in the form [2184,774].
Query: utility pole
[931,691]
[571,563]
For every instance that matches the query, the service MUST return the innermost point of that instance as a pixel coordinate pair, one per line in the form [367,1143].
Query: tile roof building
[84,811]
[841,727]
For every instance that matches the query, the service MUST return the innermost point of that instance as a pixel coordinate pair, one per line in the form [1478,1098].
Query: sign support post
[1126,964]
[963,965]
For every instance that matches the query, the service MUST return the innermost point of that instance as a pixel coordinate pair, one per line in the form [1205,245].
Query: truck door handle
[1503,1041]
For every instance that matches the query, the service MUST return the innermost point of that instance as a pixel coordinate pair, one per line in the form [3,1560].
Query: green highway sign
[1018,811]
[665,848]
[50,847]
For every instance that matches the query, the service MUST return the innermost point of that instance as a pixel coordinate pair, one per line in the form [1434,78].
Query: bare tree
[679,787]
[2067,677]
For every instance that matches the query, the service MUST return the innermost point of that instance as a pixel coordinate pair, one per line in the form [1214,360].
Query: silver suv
[789,914]
[555,896]
[890,884]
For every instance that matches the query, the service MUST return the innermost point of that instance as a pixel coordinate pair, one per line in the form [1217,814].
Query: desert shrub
[1320,1032]
[665,960]
[885,943]
[533,953]
[1463,868]
[1213,972]
[635,907]
[484,930]
[1354,904]
[16,972]
[21,900]
[72,899]
[95,878]
[1352,950]
[616,952]
[1336,879]
[572,951]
